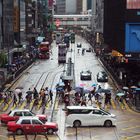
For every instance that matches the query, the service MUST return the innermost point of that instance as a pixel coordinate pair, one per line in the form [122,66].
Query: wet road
[47,73]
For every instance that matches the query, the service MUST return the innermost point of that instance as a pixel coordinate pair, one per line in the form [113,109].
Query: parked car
[31,125]
[15,114]
[85,75]
[89,116]
[102,76]
[79,45]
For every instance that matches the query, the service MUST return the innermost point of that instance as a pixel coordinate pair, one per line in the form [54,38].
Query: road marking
[31,104]
[113,104]
[131,137]
[39,105]
[7,105]
[130,128]
[131,120]
[23,105]
[1,102]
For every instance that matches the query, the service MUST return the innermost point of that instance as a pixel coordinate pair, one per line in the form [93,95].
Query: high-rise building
[79,6]
[7,24]
[70,7]
[0,24]
[89,2]
[60,7]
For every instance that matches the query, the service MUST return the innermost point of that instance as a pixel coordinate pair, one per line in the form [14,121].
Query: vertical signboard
[132,36]
[133,4]
[16,16]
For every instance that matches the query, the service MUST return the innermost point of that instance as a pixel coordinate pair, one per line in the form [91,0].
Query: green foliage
[3,59]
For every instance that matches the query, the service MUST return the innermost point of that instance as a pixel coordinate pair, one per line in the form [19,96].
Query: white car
[89,116]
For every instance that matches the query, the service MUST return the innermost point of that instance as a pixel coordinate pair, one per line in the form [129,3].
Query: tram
[44,49]
[62,51]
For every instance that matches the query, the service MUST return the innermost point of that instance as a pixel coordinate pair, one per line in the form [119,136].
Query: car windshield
[107,113]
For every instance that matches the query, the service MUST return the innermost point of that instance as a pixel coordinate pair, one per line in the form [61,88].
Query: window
[28,114]
[25,122]
[18,114]
[95,111]
[36,122]
[79,111]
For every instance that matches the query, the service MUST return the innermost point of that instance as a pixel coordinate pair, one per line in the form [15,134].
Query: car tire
[76,123]
[108,123]
[50,131]
[19,131]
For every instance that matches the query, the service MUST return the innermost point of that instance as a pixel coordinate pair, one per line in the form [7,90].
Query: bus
[67,39]
[62,51]
[44,49]
[58,38]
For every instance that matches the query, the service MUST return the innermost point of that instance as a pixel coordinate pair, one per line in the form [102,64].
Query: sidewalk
[115,78]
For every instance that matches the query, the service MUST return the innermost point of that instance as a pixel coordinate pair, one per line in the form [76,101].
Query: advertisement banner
[133,4]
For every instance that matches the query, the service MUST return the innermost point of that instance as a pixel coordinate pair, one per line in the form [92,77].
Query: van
[77,116]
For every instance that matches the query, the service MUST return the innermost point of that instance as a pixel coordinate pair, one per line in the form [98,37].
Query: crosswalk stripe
[7,105]
[56,104]
[23,105]
[31,104]
[39,105]
[113,104]
[1,102]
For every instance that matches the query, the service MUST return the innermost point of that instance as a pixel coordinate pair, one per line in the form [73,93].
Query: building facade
[0,24]
[7,25]
[70,7]
[60,7]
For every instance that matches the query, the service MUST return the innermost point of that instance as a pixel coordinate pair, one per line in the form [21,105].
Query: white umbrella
[125,88]
[17,91]
[133,87]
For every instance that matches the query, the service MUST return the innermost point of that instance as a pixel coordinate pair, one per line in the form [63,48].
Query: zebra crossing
[115,105]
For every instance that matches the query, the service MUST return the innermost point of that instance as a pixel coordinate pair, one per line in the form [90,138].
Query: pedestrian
[46,94]
[5,98]
[51,96]
[90,98]
[83,102]
[19,97]
[66,100]
[42,93]
[35,93]
[14,100]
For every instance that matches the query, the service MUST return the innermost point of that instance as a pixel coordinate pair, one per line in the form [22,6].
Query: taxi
[13,115]
[31,125]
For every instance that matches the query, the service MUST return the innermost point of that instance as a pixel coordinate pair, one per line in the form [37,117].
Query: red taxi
[31,125]
[15,114]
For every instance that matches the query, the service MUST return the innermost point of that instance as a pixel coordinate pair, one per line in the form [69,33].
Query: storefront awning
[116,53]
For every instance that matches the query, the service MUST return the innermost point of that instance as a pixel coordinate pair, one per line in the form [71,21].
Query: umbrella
[61,84]
[20,87]
[120,94]
[17,90]
[78,89]
[133,87]
[82,84]
[94,85]
[29,92]
[86,91]
[125,88]
[103,90]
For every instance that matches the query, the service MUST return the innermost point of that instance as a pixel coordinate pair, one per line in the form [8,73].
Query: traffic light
[72,37]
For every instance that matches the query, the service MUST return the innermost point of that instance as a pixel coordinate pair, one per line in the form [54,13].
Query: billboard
[133,4]
[132,35]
